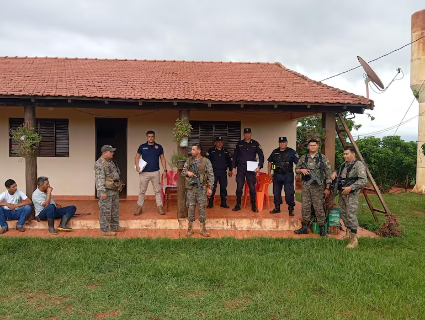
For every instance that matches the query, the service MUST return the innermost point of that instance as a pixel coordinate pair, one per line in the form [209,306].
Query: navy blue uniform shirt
[151,154]
[247,151]
[220,159]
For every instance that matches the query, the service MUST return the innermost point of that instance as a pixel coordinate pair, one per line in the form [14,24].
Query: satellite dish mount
[371,76]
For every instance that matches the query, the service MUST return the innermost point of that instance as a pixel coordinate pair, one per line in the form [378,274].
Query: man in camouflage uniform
[316,170]
[195,194]
[109,205]
[352,178]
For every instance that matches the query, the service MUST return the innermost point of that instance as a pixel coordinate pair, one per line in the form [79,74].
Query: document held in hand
[251,165]
[142,164]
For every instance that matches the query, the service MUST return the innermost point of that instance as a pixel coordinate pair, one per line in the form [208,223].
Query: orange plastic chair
[170,188]
[262,188]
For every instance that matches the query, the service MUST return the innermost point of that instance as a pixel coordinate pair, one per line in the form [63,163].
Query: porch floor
[220,222]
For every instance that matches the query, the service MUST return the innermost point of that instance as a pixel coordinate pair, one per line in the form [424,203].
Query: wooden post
[181,196]
[328,145]
[30,162]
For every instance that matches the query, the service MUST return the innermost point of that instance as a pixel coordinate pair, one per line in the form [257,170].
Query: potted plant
[177,161]
[27,140]
[181,132]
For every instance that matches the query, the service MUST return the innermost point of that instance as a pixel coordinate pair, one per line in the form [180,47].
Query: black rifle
[195,179]
[314,177]
[340,182]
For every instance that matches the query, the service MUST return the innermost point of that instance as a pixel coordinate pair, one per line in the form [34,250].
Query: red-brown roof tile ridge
[124,59]
[363,99]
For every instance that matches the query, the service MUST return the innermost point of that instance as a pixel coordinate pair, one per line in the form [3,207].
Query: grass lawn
[79,278]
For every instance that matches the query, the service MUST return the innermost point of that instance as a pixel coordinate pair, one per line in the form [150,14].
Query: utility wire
[384,55]
[408,108]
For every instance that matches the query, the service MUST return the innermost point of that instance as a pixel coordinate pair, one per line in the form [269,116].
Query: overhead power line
[384,55]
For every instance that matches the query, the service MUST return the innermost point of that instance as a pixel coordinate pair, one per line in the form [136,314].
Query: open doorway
[113,131]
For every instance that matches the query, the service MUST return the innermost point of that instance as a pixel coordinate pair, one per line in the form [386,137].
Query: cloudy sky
[316,38]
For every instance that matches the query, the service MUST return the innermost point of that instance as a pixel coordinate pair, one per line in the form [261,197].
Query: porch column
[30,162]
[328,145]
[181,199]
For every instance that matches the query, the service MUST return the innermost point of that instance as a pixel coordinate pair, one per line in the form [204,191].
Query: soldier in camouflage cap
[107,178]
[352,178]
[198,194]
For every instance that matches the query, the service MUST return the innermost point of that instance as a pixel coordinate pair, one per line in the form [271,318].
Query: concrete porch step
[276,224]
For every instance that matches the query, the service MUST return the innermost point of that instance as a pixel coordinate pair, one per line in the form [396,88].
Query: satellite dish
[371,76]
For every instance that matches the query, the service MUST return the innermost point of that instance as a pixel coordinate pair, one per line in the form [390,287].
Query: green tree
[311,127]
[390,159]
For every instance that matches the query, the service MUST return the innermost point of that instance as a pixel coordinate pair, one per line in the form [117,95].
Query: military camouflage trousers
[312,195]
[349,205]
[109,211]
[197,196]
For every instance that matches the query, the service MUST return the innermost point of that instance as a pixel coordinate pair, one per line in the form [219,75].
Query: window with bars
[204,133]
[54,134]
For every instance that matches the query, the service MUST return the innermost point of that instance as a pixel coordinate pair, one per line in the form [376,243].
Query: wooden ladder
[366,190]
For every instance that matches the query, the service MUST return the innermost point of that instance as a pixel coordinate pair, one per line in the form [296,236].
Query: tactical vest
[318,165]
[201,171]
[281,163]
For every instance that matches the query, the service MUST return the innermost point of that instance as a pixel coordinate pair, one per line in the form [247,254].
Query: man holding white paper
[245,161]
[147,165]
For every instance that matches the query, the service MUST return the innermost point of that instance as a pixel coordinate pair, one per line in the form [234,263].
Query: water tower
[417,84]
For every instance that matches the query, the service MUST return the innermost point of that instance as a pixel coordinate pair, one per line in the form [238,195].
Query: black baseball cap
[247,130]
[218,138]
[282,139]
[107,148]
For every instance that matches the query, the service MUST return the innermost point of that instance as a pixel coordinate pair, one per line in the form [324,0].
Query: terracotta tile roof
[169,80]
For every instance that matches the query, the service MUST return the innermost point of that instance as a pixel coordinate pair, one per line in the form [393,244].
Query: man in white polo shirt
[47,209]
[14,205]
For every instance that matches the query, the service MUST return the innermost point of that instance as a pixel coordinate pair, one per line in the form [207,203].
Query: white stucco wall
[75,176]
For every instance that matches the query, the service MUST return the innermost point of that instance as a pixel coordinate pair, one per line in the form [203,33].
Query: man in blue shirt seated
[47,209]
[151,152]
[14,205]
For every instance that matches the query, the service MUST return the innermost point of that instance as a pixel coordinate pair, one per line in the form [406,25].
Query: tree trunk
[30,162]
[181,190]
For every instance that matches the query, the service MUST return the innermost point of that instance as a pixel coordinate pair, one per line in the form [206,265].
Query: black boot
[210,202]
[322,231]
[291,210]
[51,224]
[276,208]
[253,204]
[63,226]
[238,204]
[303,229]
[224,203]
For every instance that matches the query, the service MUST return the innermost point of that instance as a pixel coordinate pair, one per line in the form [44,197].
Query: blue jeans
[51,212]
[19,214]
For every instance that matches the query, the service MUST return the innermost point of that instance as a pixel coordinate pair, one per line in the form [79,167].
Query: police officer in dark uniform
[246,150]
[282,161]
[220,160]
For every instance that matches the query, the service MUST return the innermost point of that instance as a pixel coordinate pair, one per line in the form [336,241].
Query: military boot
[238,204]
[323,232]
[347,234]
[161,210]
[190,229]
[303,229]
[253,205]
[204,231]
[138,211]
[354,242]
[63,226]
[224,203]
[210,202]
[51,224]
[276,208]
[291,210]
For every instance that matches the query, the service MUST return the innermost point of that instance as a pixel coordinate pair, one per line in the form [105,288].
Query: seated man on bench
[47,209]
[14,205]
